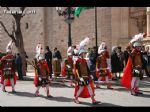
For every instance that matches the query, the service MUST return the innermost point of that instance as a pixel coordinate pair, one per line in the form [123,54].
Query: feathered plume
[69,49]
[84,42]
[39,50]
[101,47]
[9,46]
[137,37]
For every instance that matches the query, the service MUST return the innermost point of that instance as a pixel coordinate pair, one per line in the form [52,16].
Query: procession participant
[133,71]
[8,69]
[102,68]
[84,81]
[42,72]
[68,66]
[1,55]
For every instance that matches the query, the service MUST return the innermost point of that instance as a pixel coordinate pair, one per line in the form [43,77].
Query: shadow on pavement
[28,94]
[99,105]
[60,99]
[145,91]
[144,95]
[24,94]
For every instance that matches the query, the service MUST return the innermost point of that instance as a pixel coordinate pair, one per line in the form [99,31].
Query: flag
[78,10]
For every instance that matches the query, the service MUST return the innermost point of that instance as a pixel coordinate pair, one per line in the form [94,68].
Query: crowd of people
[82,67]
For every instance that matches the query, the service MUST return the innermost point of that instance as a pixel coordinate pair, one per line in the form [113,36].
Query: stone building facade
[116,26]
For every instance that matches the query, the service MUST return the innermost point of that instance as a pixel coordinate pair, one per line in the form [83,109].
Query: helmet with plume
[69,51]
[102,47]
[9,47]
[39,52]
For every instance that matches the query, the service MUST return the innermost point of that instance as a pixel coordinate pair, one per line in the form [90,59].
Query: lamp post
[69,17]
[96,30]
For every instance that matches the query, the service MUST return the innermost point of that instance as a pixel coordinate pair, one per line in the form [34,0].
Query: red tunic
[43,66]
[8,82]
[101,62]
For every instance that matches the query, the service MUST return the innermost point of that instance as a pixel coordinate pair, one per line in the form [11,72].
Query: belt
[103,68]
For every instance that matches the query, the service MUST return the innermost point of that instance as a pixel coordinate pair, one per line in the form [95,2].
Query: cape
[85,93]
[127,76]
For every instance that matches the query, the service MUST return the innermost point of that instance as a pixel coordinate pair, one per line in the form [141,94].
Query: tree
[16,35]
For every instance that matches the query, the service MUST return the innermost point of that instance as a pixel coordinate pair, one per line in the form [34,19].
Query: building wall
[115,27]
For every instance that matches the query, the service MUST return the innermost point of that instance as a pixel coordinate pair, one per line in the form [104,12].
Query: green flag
[78,10]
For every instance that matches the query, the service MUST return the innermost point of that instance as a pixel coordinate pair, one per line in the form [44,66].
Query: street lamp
[68,14]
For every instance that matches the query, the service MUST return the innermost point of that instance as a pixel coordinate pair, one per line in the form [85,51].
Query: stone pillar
[148,22]
[146,41]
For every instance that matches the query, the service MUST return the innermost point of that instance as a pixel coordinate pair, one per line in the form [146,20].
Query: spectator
[148,60]
[144,60]
[114,63]
[57,62]
[18,62]
[121,64]
[48,57]
[126,54]
[26,61]
[92,60]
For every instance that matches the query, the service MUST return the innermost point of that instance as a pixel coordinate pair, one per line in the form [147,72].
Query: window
[27,26]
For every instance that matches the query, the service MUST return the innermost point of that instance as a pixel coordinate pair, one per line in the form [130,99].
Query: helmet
[82,51]
[101,51]
[40,57]
[137,44]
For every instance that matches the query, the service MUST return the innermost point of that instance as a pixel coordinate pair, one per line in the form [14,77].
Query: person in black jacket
[92,59]
[114,63]
[19,66]
[48,57]
[126,54]
[121,57]
[144,60]
[148,60]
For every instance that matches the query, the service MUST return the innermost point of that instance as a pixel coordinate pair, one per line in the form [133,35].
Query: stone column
[148,22]
[146,41]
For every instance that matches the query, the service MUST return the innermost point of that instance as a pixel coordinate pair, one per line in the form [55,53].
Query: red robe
[84,93]
[44,66]
[127,77]
[8,82]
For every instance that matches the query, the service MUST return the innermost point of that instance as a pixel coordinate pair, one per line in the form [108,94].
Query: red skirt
[84,93]
[8,82]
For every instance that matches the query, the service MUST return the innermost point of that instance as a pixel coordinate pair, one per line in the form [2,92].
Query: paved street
[63,96]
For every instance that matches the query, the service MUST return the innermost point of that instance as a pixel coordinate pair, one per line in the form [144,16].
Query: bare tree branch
[8,8]
[10,35]
[22,9]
